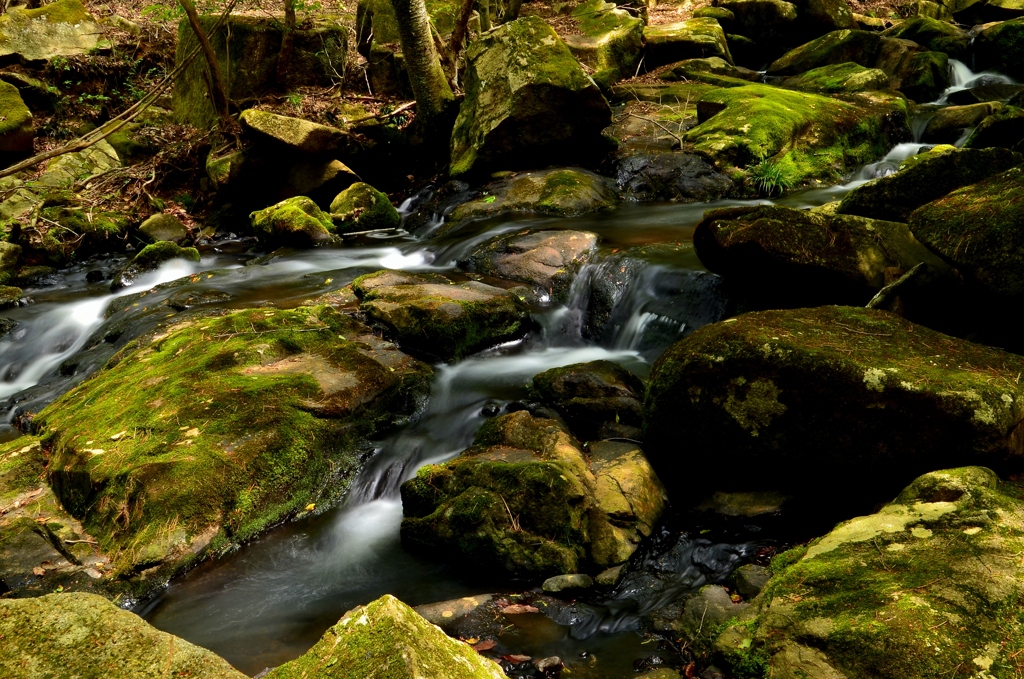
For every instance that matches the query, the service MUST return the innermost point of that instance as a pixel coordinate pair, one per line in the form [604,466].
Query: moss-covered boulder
[929,583]
[977,229]
[10,296]
[780,257]
[919,73]
[610,41]
[690,39]
[212,430]
[838,78]
[565,192]
[789,398]
[436,316]
[148,260]
[294,133]
[948,125]
[71,168]
[247,50]
[528,103]
[387,638]
[767,24]
[84,635]
[546,259]
[163,226]
[16,129]
[793,138]
[1002,129]
[924,178]
[599,399]
[10,261]
[938,36]
[1000,47]
[524,501]
[63,28]
[361,207]
[704,70]
[295,222]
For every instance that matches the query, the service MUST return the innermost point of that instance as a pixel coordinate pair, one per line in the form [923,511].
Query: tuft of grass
[769,178]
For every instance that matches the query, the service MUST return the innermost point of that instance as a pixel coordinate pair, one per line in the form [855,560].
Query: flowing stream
[272,599]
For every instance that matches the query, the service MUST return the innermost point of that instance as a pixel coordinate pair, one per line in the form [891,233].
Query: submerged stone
[434,315]
[213,429]
[528,103]
[386,638]
[794,397]
[84,635]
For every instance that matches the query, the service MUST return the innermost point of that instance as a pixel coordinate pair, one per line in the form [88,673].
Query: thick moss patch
[217,428]
[297,222]
[361,207]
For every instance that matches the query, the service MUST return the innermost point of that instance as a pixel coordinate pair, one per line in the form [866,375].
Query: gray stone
[163,226]
[751,579]
[560,583]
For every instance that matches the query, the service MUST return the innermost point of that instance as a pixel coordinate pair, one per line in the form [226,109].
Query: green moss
[1004,128]
[1000,47]
[936,35]
[227,423]
[612,41]
[837,78]
[21,467]
[14,114]
[361,207]
[691,39]
[294,221]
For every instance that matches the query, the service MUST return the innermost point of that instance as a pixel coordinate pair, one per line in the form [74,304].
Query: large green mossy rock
[16,129]
[598,399]
[691,39]
[920,74]
[808,137]
[248,61]
[548,260]
[10,261]
[931,582]
[84,635]
[295,222]
[567,192]
[977,229]
[216,428]
[781,257]
[149,259]
[294,133]
[786,399]
[528,103]
[1002,129]
[947,125]
[434,315]
[385,639]
[847,77]
[63,28]
[524,502]
[610,41]
[938,36]
[1000,48]
[925,178]
[361,207]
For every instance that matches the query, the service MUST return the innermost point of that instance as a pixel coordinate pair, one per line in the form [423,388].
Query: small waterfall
[963,78]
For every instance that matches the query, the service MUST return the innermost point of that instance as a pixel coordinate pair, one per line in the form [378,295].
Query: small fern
[769,178]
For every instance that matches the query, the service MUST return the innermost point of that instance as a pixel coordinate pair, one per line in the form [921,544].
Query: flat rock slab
[63,28]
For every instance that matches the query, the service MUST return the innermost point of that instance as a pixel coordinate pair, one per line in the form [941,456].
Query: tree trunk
[220,99]
[429,84]
[284,57]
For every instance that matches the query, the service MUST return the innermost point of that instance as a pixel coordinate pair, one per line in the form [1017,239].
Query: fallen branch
[380,116]
[118,122]
[885,295]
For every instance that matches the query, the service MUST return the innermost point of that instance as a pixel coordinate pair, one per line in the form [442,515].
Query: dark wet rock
[880,595]
[1002,129]
[748,503]
[776,256]
[546,259]
[924,178]
[163,227]
[948,124]
[444,614]
[434,315]
[84,635]
[1000,48]
[831,392]
[540,105]
[938,36]
[564,192]
[361,207]
[711,606]
[691,39]
[987,216]
[592,396]
[149,259]
[294,222]
[215,428]
[524,501]
[10,296]
[982,91]
[751,579]
[649,175]
[763,23]
[7,326]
